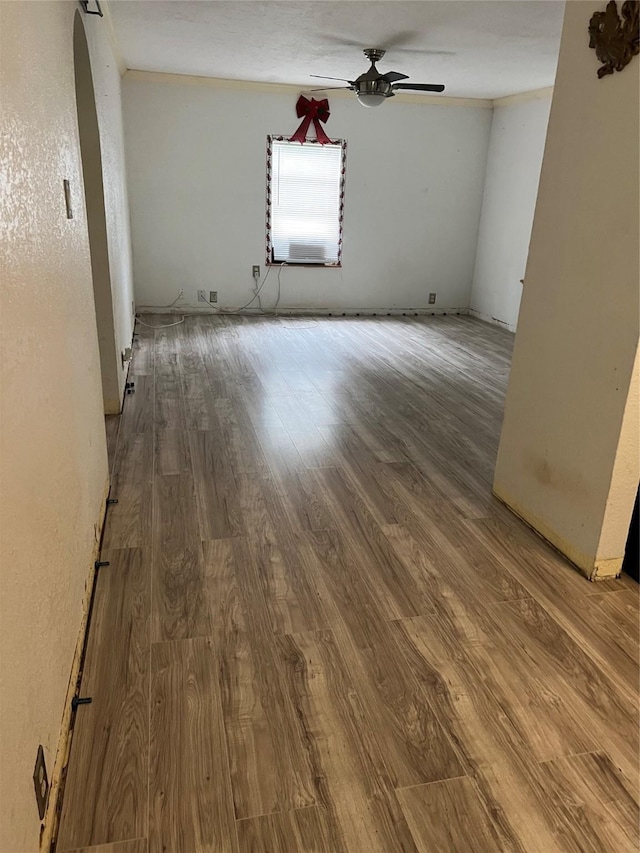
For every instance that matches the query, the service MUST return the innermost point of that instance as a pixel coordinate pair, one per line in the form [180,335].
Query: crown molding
[285,88]
[522,97]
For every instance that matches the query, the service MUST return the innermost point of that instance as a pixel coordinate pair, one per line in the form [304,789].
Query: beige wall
[624,477]
[107,64]
[53,467]
[89,136]
[565,462]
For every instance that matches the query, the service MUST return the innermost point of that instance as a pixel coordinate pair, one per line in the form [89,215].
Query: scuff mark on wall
[554,477]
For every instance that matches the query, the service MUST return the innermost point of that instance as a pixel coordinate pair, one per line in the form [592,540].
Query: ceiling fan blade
[399,40]
[399,43]
[395,41]
[330,89]
[341,79]
[392,76]
[420,87]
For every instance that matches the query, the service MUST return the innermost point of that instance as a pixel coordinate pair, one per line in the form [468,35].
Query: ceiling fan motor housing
[371,82]
[373,87]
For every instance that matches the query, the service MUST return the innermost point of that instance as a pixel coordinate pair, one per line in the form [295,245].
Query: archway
[96,220]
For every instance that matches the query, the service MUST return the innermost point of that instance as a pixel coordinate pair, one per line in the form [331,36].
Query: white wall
[568,457]
[53,462]
[518,133]
[108,95]
[196,165]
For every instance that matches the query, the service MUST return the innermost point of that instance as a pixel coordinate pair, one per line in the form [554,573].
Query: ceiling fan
[373,88]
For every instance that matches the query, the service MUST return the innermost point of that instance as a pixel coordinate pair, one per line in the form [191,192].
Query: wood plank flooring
[319,632]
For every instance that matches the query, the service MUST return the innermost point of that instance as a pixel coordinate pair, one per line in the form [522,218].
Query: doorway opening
[96,219]
[631,562]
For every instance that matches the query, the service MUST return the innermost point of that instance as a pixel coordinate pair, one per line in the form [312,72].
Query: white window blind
[305,202]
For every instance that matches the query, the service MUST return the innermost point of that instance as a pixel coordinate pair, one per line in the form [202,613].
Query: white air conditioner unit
[307,253]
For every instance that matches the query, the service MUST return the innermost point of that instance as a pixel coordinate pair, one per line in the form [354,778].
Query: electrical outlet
[213,296]
[432,299]
[41,782]
[202,296]
[256,271]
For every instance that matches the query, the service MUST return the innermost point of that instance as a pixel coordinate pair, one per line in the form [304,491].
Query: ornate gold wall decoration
[616,40]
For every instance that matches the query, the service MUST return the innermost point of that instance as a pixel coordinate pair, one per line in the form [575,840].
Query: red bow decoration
[313,111]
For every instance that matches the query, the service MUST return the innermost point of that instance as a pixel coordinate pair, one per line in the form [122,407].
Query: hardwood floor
[319,632]
[107,795]
[111,425]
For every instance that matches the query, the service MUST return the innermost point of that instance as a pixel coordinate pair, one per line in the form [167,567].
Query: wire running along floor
[319,631]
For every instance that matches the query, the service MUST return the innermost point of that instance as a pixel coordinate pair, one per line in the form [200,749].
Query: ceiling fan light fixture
[368,99]
[372,87]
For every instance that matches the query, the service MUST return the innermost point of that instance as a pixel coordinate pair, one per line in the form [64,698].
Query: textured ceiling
[477,49]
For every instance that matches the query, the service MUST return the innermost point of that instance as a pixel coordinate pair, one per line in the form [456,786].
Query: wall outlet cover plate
[41,782]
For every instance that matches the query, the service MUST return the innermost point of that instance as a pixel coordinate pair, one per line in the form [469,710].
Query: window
[305,199]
